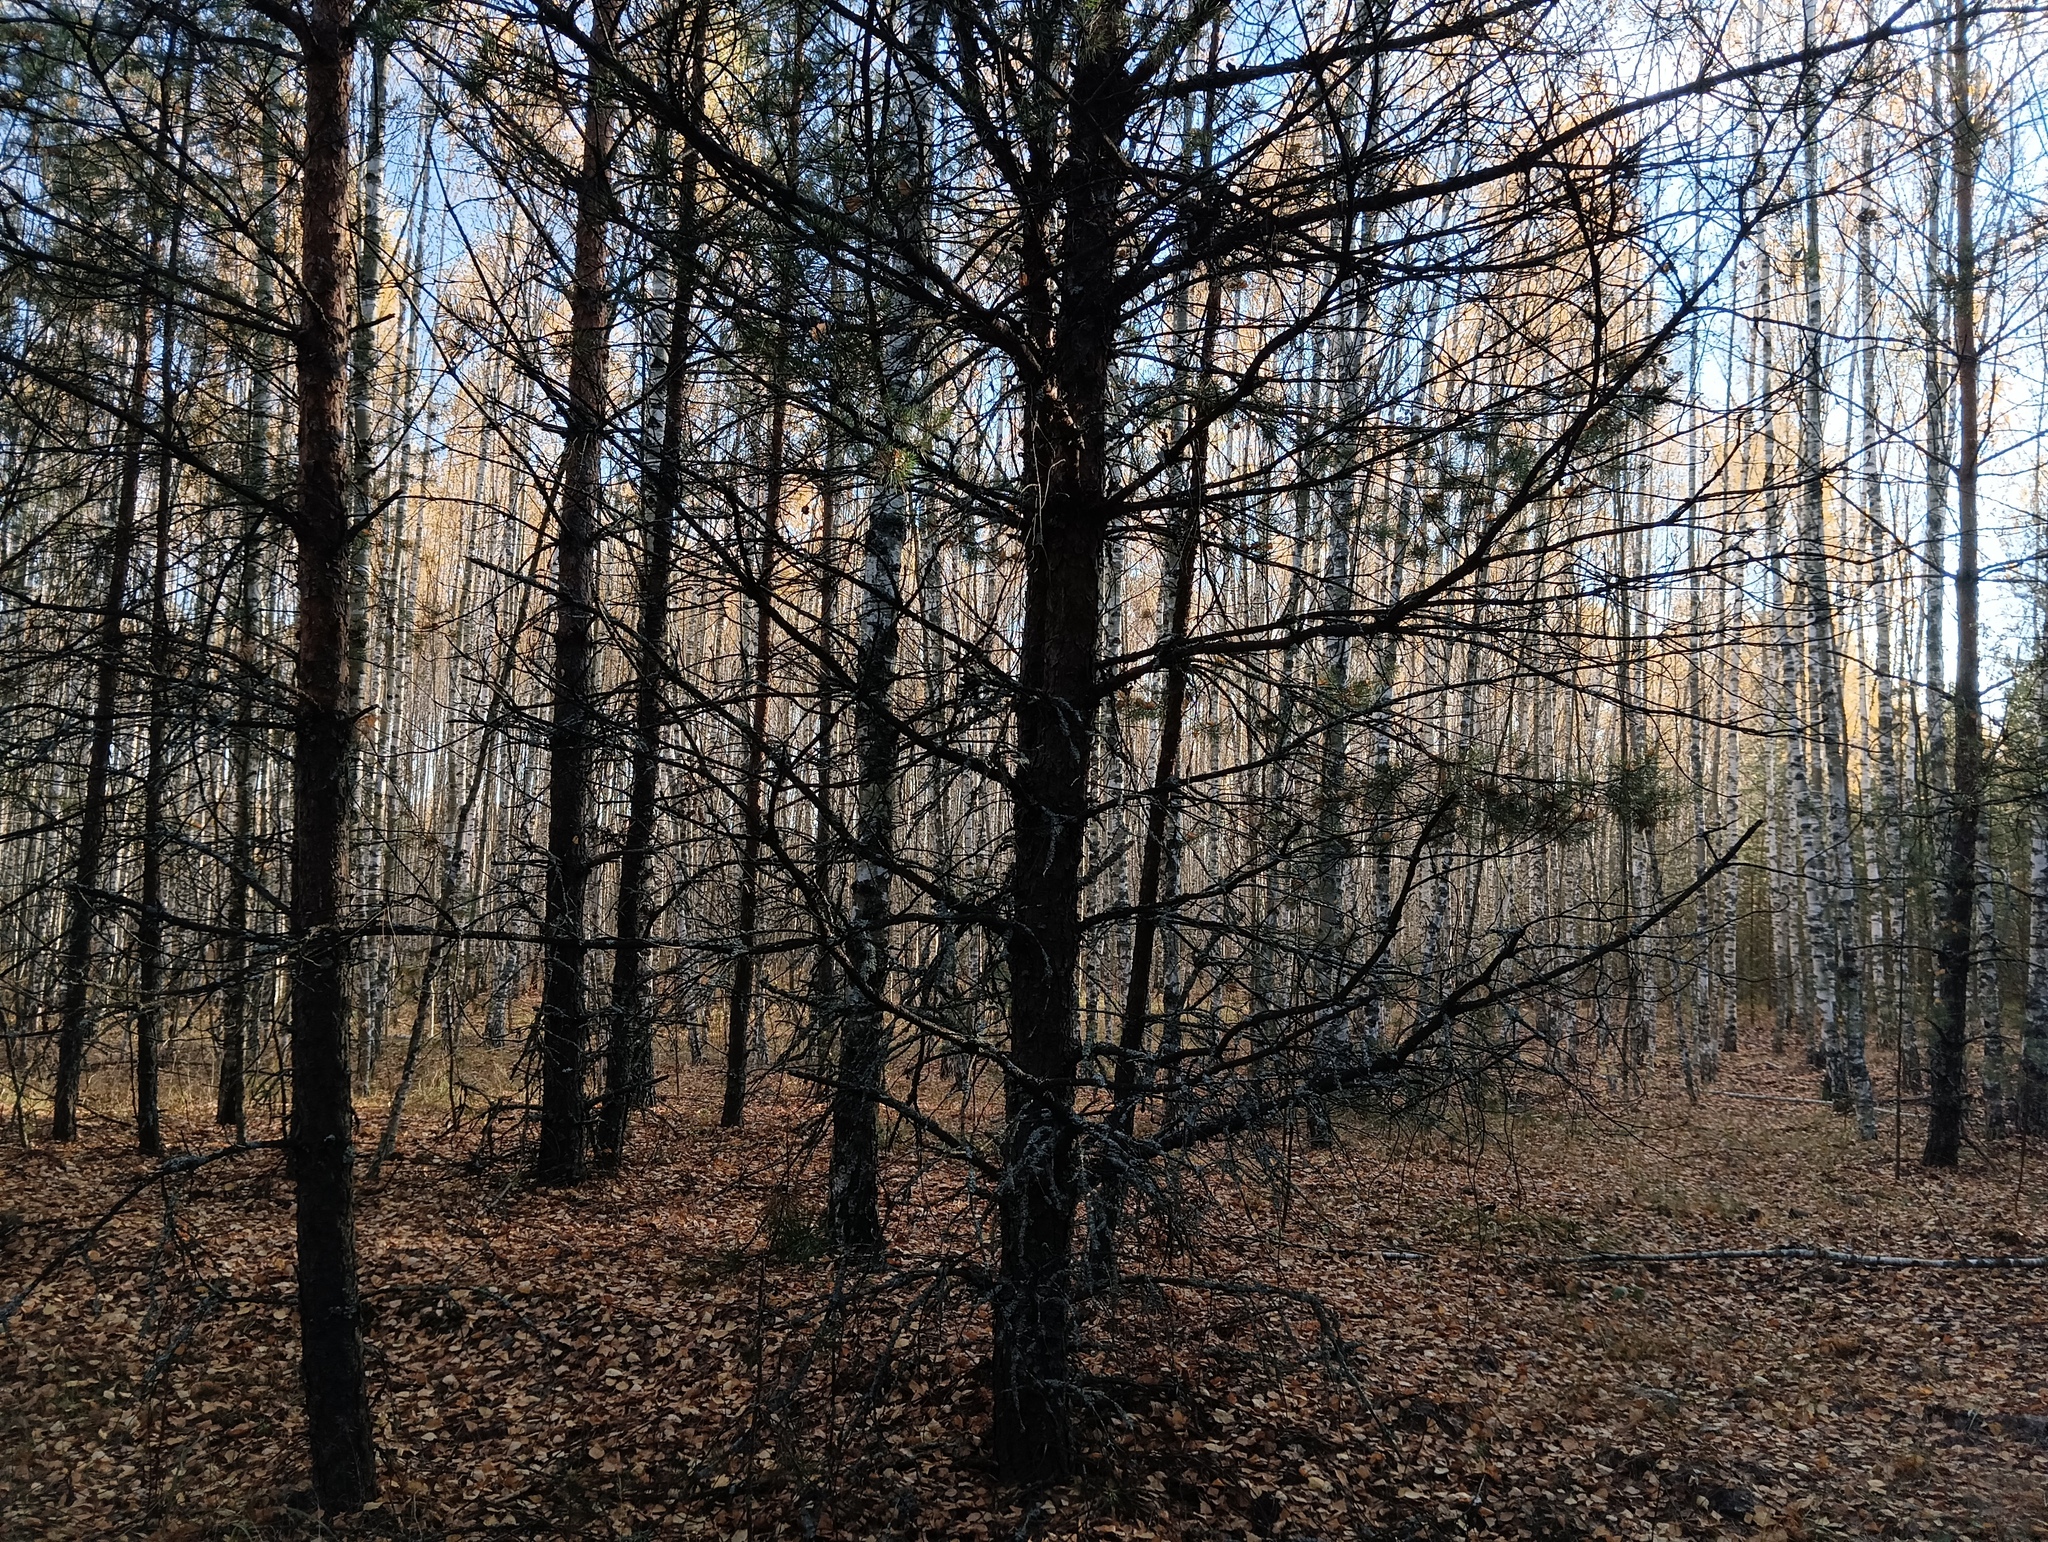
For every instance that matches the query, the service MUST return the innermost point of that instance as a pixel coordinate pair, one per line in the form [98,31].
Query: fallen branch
[1794,1254]
[175,1167]
[1884,1105]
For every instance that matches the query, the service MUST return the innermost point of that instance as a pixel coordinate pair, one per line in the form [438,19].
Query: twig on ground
[1793,1253]
[175,1167]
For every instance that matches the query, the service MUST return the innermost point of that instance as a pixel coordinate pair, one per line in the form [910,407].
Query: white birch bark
[2032,1097]
[1836,944]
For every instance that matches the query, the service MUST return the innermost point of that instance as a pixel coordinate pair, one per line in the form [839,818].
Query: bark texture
[323,1121]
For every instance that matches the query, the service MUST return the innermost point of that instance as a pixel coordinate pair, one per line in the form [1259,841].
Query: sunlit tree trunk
[1840,886]
[362,376]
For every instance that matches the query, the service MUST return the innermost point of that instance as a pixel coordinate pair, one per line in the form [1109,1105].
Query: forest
[1023,768]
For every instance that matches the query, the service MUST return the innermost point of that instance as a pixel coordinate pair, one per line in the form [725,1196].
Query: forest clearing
[657,1356]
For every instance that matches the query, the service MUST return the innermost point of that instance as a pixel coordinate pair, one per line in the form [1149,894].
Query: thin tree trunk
[1729,740]
[1277,816]
[1986,995]
[739,1010]
[1820,979]
[1185,553]
[237,1022]
[1836,945]
[1636,1028]
[853,1217]
[824,984]
[1936,311]
[385,687]
[629,1059]
[74,1007]
[2033,1078]
[1887,910]
[572,729]
[74,1020]
[362,373]
[1781,845]
[739,1007]
[1948,1092]
[149,921]
[1703,1039]
[1332,1041]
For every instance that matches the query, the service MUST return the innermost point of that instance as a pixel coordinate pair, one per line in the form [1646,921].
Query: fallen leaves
[633,1359]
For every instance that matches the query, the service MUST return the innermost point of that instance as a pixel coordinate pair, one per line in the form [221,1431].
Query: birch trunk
[1886,878]
[1948,1093]
[1333,1044]
[1985,991]
[149,921]
[1836,944]
[362,375]
[2033,1078]
[1936,312]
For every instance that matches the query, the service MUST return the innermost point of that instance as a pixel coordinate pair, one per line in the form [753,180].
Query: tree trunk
[572,729]
[362,374]
[2033,1079]
[1936,309]
[74,1021]
[824,982]
[149,921]
[853,1216]
[323,1125]
[1701,1037]
[1332,1042]
[1780,684]
[1987,1001]
[1070,298]
[628,1068]
[231,1102]
[1948,1091]
[739,1006]
[1888,900]
[1185,551]
[1840,885]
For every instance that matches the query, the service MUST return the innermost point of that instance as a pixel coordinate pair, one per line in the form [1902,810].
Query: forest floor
[669,1353]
